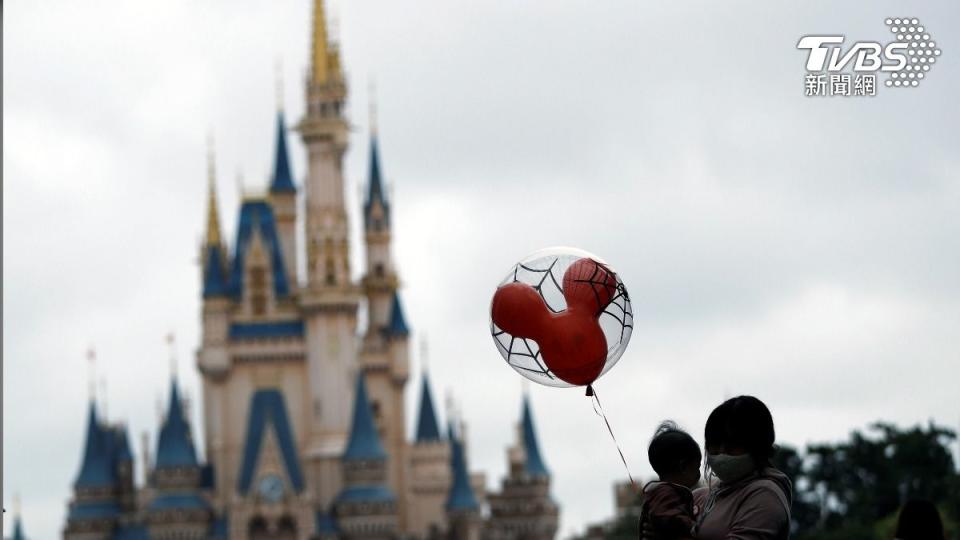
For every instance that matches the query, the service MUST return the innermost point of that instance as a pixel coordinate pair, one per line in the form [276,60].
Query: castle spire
[213,218]
[325,64]
[282,181]
[427,428]
[364,442]
[95,470]
[534,465]
[461,497]
[175,445]
[376,202]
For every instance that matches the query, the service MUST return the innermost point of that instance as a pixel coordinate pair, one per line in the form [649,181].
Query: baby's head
[675,455]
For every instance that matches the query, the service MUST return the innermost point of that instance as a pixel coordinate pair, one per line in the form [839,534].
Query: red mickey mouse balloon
[561,317]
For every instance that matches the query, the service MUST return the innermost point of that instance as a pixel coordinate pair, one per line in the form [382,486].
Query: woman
[752,499]
[749,500]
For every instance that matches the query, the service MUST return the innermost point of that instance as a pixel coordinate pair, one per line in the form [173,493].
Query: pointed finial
[373,107]
[278,68]
[320,56]
[92,373]
[171,343]
[213,217]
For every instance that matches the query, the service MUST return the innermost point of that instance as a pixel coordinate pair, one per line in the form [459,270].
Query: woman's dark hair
[742,421]
[919,520]
[671,448]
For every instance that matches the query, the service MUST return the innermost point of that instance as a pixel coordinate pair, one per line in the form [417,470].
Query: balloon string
[592,392]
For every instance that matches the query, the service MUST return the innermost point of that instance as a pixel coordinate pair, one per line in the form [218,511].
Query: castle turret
[177,510]
[384,354]
[283,198]
[430,470]
[216,303]
[524,504]
[366,508]
[463,510]
[325,133]
[380,282]
[329,299]
[94,510]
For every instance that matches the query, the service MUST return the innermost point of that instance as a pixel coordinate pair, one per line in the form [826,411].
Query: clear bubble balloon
[561,317]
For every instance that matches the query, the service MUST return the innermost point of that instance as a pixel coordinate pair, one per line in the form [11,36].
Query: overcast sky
[803,250]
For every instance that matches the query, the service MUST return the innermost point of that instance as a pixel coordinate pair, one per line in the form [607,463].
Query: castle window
[258,292]
[378,270]
[331,273]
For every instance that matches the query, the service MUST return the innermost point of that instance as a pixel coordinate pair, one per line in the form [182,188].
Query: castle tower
[430,471]
[366,508]
[324,130]
[381,281]
[94,511]
[463,511]
[177,509]
[283,198]
[329,301]
[384,354]
[523,508]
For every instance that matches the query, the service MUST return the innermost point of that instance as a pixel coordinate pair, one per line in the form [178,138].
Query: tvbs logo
[835,68]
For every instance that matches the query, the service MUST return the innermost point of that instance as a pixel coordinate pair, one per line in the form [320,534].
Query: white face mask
[731,468]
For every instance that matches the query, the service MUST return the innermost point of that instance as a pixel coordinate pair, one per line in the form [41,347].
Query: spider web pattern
[545,276]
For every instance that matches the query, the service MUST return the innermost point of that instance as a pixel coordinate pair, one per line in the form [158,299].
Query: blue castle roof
[122,449]
[364,440]
[461,495]
[175,446]
[97,468]
[535,465]
[397,327]
[268,408]
[214,276]
[257,215]
[282,181]
[428,429]
[375,191]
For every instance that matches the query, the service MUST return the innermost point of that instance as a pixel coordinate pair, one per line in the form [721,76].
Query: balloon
[561,317]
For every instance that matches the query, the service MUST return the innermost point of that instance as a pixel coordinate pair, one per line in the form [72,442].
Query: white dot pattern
[920,50]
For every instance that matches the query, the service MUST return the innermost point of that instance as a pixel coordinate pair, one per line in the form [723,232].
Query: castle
[304,417]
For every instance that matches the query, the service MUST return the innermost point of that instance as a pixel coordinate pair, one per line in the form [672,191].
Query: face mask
[730,468]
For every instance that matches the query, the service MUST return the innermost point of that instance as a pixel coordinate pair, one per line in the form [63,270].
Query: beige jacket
[754,508]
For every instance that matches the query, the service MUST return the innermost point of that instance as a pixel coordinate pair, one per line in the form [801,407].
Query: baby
[668,503]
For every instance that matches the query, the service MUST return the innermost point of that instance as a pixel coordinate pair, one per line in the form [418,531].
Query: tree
[859,483]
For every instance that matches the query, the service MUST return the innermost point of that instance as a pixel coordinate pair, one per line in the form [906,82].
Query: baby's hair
[671,448]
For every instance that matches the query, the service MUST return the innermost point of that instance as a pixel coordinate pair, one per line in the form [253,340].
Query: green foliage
[854,489]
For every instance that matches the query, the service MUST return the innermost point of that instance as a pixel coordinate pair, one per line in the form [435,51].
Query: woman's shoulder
[773,492]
